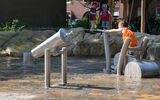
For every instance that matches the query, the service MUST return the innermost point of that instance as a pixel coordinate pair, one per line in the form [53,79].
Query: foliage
[68,0]
[82,23]
[13,25]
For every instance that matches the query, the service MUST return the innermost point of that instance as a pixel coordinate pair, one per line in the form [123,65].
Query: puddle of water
[16,96]
[86,81]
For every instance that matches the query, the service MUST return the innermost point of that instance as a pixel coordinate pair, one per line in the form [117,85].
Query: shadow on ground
[75,86]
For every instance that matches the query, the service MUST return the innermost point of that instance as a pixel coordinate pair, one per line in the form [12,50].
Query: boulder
[87,44]
[83,44]
[15,43]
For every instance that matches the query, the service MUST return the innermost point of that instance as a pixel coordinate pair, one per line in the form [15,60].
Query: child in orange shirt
[125,32]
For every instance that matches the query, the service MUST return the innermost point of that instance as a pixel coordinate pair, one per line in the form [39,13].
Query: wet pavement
[86,81]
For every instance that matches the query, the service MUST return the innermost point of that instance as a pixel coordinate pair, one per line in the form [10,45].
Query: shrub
[13,25]
[82,23]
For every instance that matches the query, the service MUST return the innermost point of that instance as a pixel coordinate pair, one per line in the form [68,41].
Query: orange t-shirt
[129,33]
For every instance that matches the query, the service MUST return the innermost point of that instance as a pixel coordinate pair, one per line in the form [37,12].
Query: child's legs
[103,25]
[107,25]
[92,24]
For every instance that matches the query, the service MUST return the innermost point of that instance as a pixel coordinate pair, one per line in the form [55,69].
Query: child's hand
[107,31]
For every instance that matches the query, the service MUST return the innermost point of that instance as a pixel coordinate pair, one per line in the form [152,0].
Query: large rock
[15,43]
[84,44]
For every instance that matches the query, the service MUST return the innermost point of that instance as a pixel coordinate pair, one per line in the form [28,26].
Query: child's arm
[92,13]
[115,31]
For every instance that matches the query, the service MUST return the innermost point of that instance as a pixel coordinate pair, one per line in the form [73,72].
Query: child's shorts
[105,24]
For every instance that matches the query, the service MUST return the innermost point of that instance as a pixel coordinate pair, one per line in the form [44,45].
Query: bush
[13,25]
[82,23]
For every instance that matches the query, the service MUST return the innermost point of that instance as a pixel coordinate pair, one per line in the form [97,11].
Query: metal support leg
[63,65]
[107,53]
[47,67]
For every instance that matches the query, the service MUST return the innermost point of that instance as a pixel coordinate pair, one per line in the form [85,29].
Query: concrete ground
[86,81]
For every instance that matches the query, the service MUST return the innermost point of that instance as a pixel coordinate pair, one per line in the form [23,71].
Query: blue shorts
[105,24]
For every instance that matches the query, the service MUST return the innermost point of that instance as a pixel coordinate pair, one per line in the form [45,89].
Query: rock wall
[87,44]
[84,44]
[15,43]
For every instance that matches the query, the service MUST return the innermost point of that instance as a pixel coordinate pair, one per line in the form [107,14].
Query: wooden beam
[111,5]
[125,9]
[143,6]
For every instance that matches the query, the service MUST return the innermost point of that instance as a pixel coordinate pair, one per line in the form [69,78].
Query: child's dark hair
[124,23]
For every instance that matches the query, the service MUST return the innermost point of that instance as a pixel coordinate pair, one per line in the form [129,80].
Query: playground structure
[55,45]
[136,67]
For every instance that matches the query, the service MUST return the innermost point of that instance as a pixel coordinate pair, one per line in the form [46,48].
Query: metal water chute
[56,41]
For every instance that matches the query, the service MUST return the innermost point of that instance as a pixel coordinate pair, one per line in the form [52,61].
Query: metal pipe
[58,40]
[122,56]
[27,58]
[47,67]
[107,53]
[63,66]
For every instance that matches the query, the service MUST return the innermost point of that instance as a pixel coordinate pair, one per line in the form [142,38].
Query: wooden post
[47,67]
[143,6]
[111,4]
[125,9]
